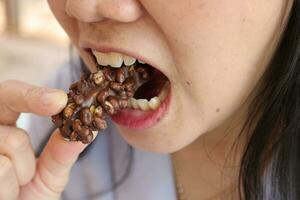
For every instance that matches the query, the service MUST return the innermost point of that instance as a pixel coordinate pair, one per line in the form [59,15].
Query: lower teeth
[152,104]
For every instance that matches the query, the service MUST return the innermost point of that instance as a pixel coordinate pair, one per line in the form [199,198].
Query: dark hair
[270,165]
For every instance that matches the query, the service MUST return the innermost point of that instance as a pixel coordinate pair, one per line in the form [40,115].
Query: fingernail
[53,96]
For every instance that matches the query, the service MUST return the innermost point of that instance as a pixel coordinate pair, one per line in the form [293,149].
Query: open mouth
[133,93]
[152,86]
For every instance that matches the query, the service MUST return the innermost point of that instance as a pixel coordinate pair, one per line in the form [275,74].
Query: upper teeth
[114,59]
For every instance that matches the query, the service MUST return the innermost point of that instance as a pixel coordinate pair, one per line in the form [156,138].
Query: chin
[155,141]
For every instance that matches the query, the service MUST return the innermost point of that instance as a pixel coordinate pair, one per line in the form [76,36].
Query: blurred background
[32,44]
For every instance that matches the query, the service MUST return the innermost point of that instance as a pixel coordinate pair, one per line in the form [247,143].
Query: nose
[96,10]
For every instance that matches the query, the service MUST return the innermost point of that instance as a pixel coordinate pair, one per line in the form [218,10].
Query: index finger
[17,97]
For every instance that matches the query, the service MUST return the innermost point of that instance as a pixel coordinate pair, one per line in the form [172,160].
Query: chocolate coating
[104,92]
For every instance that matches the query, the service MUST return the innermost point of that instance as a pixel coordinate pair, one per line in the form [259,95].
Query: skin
[213,52]
[22,175]
[213,60]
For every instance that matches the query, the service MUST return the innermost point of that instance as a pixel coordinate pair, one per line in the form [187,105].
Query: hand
[22,176]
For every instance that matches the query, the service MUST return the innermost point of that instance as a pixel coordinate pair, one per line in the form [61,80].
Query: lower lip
[138,119]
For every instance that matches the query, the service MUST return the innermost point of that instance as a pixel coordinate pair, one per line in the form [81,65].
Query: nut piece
[120,75]
[69,110]
[84,132]
[73,136]
[77,125]
[109,108]
[82,87]
[86,116]
[143,72]
[108,73]
[92,109]
[65,131]
[129,83]
[87,139]
[116,86]
[78,99]
[100,123]
[114,102]
[111,105]
[57,120]
[102,96]
[130,93]
[98,77]
[98,112]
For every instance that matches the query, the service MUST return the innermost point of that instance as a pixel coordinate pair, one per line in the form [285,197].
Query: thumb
[53,168]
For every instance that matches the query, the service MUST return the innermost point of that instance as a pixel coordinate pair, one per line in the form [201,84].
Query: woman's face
[212,51]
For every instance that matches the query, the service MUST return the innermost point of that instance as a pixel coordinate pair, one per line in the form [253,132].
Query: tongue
[152,87]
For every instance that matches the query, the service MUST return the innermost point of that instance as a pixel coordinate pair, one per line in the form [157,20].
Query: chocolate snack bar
[96,95]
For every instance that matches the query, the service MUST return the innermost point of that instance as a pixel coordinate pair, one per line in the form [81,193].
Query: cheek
[71,27]
[68,24]
[219,48]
